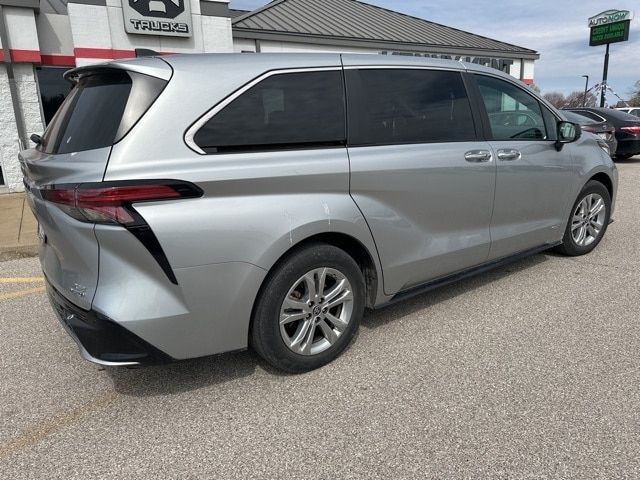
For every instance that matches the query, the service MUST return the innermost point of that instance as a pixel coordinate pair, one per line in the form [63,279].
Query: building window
[1,176]
[53,89]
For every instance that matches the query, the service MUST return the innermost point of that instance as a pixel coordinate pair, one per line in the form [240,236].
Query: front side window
[284,111]
[513,113]
[404,106]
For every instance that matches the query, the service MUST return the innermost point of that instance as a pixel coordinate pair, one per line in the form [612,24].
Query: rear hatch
[104,105]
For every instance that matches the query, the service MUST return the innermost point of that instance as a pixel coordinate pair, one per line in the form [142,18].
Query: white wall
[102,27]
[268,46]
[8,134]
[23,36]
[529,69]
[54,34]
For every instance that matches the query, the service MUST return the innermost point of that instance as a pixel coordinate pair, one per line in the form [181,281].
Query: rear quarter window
[283,111]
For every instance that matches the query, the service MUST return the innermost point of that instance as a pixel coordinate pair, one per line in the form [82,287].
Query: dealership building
[40,39]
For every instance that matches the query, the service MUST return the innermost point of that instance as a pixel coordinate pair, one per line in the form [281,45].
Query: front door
[421,177]
[532,176]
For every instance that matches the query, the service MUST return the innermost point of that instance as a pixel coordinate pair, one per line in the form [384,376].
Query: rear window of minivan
[100,110]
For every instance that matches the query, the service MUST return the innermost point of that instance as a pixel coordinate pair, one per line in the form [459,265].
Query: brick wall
[87,30]
[30,105]
[8,136]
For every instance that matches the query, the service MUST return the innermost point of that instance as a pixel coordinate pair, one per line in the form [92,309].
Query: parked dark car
[604,130]
[627,128]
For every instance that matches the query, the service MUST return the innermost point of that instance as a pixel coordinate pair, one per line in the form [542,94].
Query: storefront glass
[53,89]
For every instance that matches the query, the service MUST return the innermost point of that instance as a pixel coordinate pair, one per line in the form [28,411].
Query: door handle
[509,154]
[478,156]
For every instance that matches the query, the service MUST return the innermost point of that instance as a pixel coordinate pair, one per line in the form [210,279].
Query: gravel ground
[529,371]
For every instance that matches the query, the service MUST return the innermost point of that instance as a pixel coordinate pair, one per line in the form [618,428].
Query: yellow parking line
[20,293]
[21,279]
[37,433]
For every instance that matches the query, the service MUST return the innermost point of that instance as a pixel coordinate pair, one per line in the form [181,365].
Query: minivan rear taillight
[110,202]
[632,130]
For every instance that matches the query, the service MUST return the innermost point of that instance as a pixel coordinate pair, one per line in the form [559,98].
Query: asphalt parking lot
[529,371]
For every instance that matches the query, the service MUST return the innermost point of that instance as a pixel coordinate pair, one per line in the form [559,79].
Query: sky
[556,29]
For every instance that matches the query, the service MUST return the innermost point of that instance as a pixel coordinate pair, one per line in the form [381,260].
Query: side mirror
[567,133]
[35,138]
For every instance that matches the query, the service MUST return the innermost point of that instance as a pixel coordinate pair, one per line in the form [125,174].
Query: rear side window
[284,111]
[100,110]
[388,107]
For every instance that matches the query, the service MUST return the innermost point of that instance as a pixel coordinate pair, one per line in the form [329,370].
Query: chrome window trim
[448,68]
[193,129]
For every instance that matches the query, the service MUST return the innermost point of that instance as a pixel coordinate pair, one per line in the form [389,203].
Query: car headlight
[604,146]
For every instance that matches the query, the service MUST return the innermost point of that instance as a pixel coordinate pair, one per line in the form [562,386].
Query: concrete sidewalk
[18,227]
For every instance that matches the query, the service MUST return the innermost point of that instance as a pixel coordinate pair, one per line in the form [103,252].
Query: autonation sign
[610,16]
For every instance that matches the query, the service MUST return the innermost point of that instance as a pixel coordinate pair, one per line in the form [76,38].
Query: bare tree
[534,87]
[577,99]
[634,100]
[555,98]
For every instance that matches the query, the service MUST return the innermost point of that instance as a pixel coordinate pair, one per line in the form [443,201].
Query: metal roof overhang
[380,44]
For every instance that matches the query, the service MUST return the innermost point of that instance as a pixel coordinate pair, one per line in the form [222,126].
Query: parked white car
[632,110]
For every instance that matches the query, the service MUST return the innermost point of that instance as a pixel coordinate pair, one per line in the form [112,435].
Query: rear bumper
[628,146]
[101,340]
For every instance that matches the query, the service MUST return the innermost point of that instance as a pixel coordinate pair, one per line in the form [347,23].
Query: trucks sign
[158,17]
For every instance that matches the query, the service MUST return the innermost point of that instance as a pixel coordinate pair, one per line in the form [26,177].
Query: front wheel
[588,221]
[309,309]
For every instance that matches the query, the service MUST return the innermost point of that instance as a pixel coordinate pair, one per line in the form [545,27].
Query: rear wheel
[625,156]
[309,309]
[588,221]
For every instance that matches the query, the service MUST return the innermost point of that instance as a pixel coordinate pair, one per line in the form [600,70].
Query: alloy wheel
[588,220]
[316,311]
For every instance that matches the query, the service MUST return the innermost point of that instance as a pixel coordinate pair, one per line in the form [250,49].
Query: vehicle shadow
[378,318]
[186,375]
[205,372]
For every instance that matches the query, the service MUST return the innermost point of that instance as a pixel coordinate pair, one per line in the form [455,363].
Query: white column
[25,50]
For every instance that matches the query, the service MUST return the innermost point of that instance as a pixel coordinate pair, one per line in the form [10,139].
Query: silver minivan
[198,204]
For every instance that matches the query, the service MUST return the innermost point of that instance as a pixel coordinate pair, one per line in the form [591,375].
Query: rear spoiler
[146,65]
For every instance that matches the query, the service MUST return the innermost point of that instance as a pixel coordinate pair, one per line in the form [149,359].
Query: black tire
[569,246]
[625,156]
[265,336]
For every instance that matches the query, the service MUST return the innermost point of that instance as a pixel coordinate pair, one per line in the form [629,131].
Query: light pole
[586,86]
[605,74]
